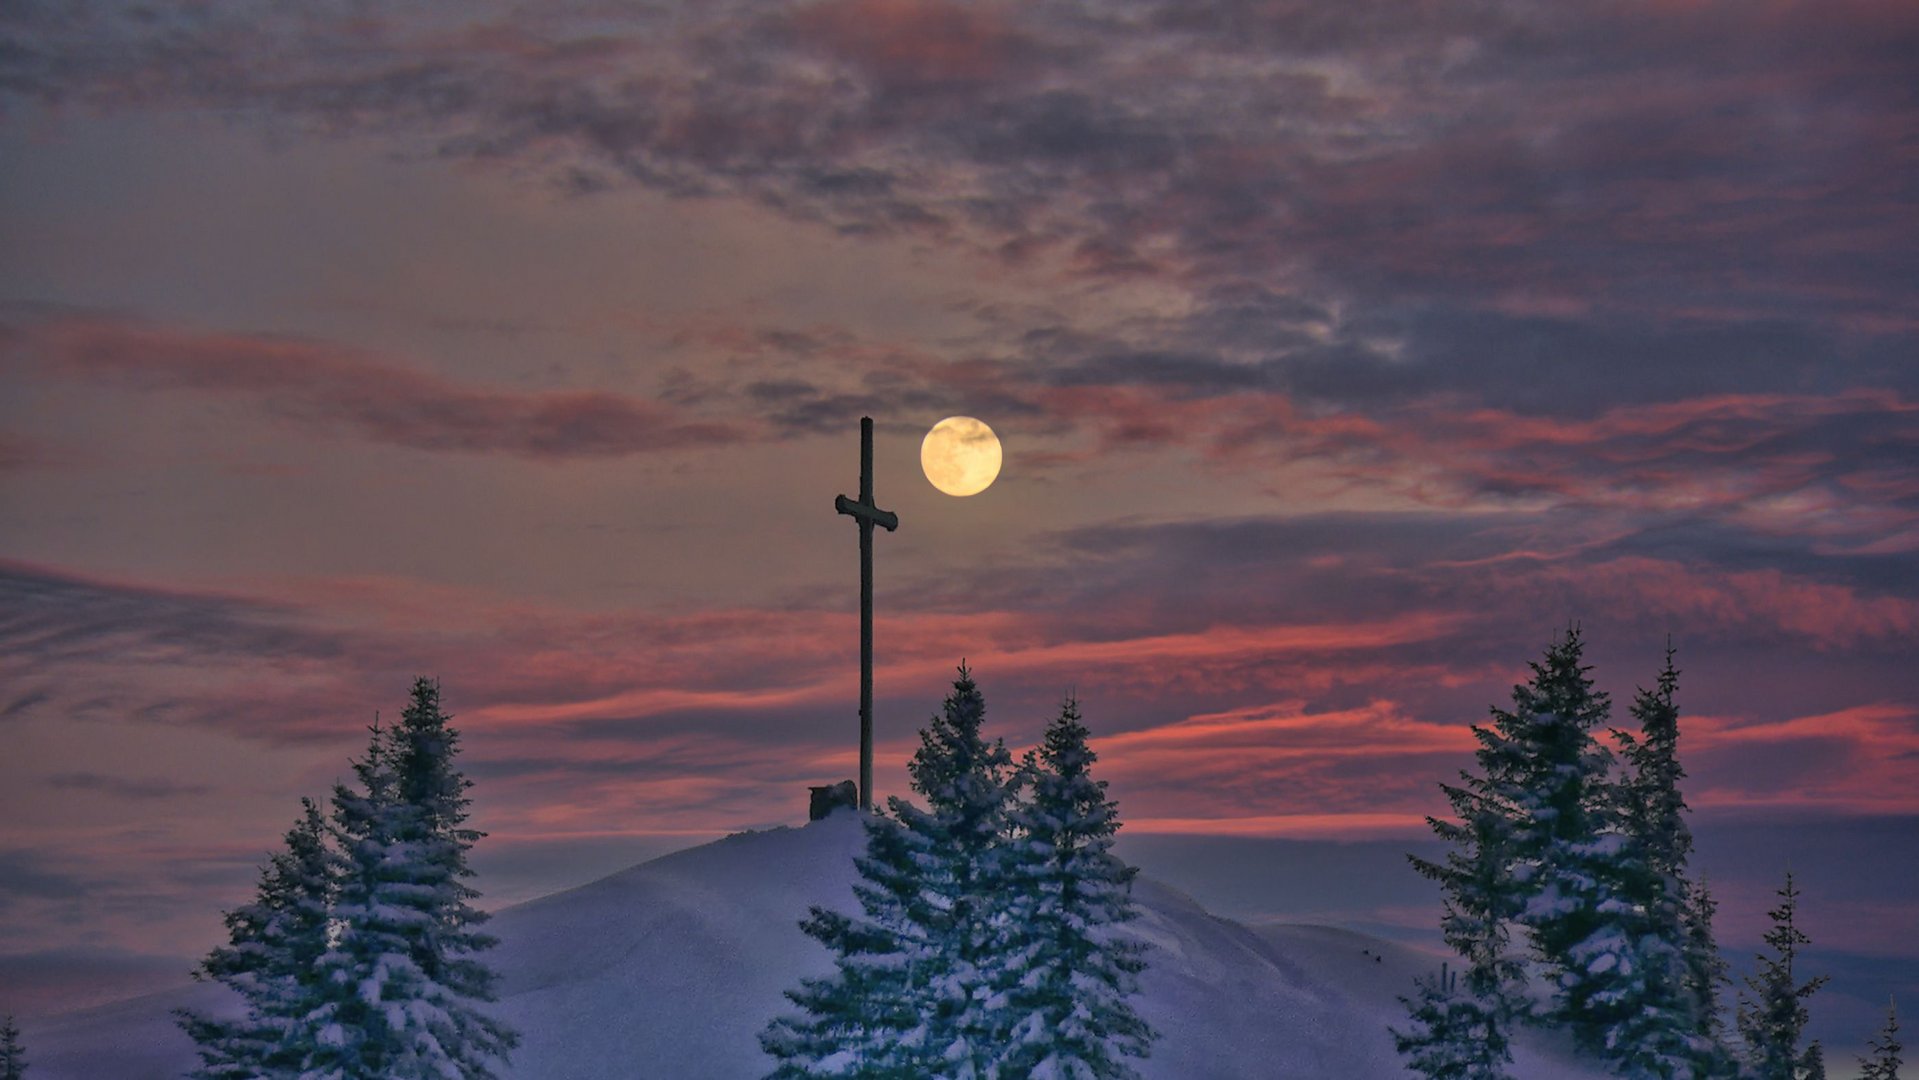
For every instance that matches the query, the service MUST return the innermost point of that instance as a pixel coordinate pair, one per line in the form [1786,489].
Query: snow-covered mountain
[671,968]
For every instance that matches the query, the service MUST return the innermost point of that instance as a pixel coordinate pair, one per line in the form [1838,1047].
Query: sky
[1343,357]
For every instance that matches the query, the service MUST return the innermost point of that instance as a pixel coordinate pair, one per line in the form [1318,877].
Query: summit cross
[867,514]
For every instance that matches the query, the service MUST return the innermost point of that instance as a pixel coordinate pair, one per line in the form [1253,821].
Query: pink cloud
[1284,769]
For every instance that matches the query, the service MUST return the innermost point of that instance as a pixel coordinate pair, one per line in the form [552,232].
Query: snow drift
[671,968]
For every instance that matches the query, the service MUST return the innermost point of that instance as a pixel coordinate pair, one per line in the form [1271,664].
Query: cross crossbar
[866,515]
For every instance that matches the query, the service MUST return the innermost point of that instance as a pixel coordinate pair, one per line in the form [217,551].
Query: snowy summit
[673,967]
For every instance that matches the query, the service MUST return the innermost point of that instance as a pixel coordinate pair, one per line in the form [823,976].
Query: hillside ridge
[670,968]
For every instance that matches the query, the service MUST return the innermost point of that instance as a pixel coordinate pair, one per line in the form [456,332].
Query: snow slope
[671,968]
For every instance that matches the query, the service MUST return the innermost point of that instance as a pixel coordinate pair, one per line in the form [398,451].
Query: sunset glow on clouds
[1343,355]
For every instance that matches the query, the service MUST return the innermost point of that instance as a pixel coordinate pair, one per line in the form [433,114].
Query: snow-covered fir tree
[855,1022]
[1812,1065]
[1068,978]
[1655,808]
[959,839]
[1642,1011]
[1883,1064]
[1706,973]
[1590,867]
[1773,1017]
[403,981]
[1480,901]
[1547,769]
[273,946]
[1455,1035]
[917,988]
[1653,1023]
[1536,845]
[13,1057]
[1460,1028]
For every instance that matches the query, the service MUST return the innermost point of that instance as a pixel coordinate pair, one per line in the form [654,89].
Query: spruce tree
[1590,867]
[1654,1024]
[855,1022]
[1068,979]
[270,960]
[1652,808]
[1706,972]
[13,1058]
[1884,1062]
[403,981]
[1546,767]
[914,991]
[1772,1020]
[1812,1066]
[1480,901]
[1643,1028]
[1535,847]
[1455,1035]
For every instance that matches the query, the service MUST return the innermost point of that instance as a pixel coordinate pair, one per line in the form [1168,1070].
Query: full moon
[960,455]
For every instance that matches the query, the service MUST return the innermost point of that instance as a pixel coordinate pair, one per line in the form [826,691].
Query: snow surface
[671,968]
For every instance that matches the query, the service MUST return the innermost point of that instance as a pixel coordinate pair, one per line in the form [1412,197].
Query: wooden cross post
[867,515]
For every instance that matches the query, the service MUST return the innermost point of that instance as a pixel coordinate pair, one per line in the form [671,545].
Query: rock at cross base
[827,798]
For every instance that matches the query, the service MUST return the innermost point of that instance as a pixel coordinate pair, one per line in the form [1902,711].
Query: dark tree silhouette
[13,1057]
[1884,1062]
[1773,1018]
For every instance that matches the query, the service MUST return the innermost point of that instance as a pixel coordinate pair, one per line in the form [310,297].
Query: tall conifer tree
[1706,973]
[1480,900]
[1460,1026]
[13,1057]
[1068,979]
[1884,1062]
[916,982]
[404,982]
[1590,867]
[274,944]
[1656,1025]
[1546,768]
[1773,1018]
[855,1022]
[1654,807]
[1529,849]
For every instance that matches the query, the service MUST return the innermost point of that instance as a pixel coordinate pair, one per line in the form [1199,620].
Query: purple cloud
[333,387]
